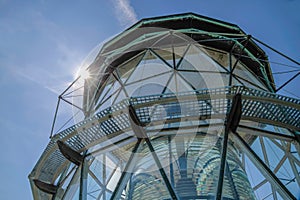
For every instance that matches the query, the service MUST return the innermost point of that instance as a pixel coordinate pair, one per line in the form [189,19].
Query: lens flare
[83,73]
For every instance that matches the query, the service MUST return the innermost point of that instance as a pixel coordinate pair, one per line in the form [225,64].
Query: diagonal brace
[270,176]
[139,131]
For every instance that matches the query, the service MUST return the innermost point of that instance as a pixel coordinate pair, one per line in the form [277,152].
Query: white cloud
[54,78]
[124,12]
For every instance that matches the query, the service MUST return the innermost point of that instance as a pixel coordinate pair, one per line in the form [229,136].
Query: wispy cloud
[54,78]
[53,72]
[41,77]
[124,12]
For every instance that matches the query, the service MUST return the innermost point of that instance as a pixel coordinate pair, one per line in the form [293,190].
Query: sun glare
[83,73]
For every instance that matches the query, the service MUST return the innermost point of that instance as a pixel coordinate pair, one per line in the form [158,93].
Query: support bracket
[45,187]
[70,154]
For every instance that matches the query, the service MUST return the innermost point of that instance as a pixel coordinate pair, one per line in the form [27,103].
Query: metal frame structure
[253,129]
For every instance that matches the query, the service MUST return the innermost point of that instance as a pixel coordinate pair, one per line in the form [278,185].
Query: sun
[83,73]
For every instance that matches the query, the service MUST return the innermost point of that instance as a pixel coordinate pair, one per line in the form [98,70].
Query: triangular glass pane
[274,153]
[96,167]
[190,162]
[119,97]
[169,41]
[150,86]
[147,181]
[205,80]
[110,86]
[102,170]
[66,174]
[179,52]
[243,72]
[114,163]
[254,175]
[256,146]
[279,196]
[287,177]
[167,54]
[264,191]
[94,188]
[222,58]
[107,101]
[177,84]
[294,152]
[67,181]
[277,129]
[125,70]
[196,59]
[236,82]
[236,183]
[187,66]
[248,83]
[72,190]
[150,66]
[189,59]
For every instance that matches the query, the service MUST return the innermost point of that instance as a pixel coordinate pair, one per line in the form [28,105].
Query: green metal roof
[225,36]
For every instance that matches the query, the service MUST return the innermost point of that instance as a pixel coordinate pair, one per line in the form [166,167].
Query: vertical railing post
[83,180]
[232,121]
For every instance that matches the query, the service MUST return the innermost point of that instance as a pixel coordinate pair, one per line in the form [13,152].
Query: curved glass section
[193,173]
[155,71]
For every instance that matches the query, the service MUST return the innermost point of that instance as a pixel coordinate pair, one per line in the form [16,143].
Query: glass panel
[150,86]
[256,179]
[274,153]
[263,126]
[243,72]
[167,53]
[177,84]
[205,80]
[237,185]
[107,101]
[220,57]
[146,182]
[95,182]
[248,84]
[280,198]
[109,166]
[72,191]
[110,88]
[207,165]
[119,97]
[257,146]
[66,180]
[150,66]
[287,177]
[93,187]
[170,40]
[191,163]
[125,70]
[104,176]
[179,53]
[196,59]
[264,192]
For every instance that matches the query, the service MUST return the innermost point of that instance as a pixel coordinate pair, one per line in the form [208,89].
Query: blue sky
[43,42]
